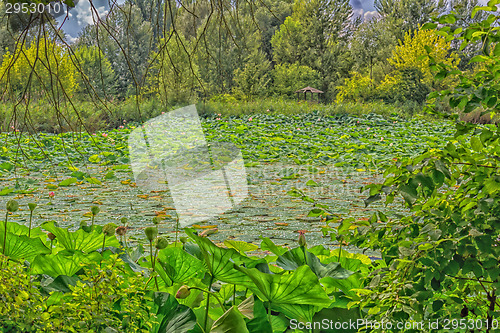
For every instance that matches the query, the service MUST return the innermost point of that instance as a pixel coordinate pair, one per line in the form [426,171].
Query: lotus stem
[208,303]
[31,217]
[234,294]
[5,232]
[211,293]
[176,228]
[269,316]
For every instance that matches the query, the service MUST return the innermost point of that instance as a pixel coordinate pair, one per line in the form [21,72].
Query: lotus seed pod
[12,206]
[124,220]
[151,233]
[95,210]
[183,240]
[51,236]
[161,243]
[32,206]
[156,220]
[183,292]
[216,286]
[121,230]
[83,224]
[109,229]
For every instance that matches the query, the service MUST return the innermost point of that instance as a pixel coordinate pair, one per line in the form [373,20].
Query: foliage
[173,78]
[357,88]
[126,41]
[290,78]
[443,258]
[405,16]
[412,51]
[253,79]
[372,44]
[44,67]
[405,84]
[108,290]
[97,75]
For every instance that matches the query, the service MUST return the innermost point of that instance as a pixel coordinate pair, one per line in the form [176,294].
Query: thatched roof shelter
[308,90]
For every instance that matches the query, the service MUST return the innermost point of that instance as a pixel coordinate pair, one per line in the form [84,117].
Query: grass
[78,116]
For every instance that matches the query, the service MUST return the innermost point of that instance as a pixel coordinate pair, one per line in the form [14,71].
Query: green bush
[104,298]
[403,85]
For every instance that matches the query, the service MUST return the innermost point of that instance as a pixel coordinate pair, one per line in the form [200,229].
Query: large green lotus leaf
[259,323]
[173,317]
[268,245]
[301,312]
[337,315]
[80,240]
[180,265]
[293,259]
[220,262]
[346,285]
[62,263]
[299,287]
[22,247]
[240,245]
[19,229]
[230,322]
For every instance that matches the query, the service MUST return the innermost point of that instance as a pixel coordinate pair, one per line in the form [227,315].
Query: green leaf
[21,247]
[346,285]
[301,312]
[476,144]
[172,316]
[230,322]
[299,287]
[268,245]
[372,199]
[311,183]
[93,180]
[180,265]
[409,193]
[80,240]
[6,166]
[62,263]
[68,181]
[240,246]
[293,259]
[220,261]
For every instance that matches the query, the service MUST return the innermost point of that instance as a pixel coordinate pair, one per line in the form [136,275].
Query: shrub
[357,88]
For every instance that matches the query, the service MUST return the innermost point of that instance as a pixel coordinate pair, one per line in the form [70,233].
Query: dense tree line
[185,51]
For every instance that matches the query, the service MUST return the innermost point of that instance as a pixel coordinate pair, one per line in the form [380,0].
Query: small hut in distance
[308,90]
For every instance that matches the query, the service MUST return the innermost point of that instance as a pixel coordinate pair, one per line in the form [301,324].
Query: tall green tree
[408,15]
[371,44]
[126,40]
[97,75]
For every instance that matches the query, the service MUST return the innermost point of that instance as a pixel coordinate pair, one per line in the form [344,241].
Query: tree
[290,78]
[314,26]
[269,18]
[412,52]
[254,78]
[372,42]
[407,15]
[126,40]
[174,74]
[97,75]
[42,70]
[357,88]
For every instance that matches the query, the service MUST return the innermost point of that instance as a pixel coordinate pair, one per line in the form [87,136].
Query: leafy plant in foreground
[442,261]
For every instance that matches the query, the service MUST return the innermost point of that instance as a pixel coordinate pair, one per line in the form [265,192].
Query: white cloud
[85,14]
[369,15]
